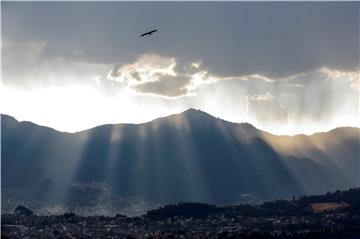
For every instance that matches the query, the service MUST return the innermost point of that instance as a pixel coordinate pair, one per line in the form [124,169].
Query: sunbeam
[180,119]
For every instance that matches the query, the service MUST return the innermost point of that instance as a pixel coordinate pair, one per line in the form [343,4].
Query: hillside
[191,156]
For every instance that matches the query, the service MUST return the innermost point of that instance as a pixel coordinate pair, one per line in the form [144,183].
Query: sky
[285,67]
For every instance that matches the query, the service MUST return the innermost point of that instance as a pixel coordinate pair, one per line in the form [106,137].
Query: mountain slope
[190,156]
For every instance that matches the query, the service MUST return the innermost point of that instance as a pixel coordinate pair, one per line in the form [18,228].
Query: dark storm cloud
[231,38]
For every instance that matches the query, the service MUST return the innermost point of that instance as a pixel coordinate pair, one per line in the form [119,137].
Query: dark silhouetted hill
[191,156]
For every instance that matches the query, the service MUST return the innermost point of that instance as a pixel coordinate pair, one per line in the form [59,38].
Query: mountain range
[191,156]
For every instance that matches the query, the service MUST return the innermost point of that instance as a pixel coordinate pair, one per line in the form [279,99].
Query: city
[333,215]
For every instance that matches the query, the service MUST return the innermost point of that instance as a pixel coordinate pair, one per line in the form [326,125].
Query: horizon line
[170,115]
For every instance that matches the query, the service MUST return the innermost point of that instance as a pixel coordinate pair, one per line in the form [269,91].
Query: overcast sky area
[285,67]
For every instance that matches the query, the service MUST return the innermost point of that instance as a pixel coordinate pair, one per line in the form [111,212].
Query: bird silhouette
[148,33]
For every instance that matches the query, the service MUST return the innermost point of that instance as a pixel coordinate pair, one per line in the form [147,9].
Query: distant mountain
[191,156]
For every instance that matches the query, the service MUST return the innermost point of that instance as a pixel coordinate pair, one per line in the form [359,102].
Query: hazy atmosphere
[286,68]
[180,120]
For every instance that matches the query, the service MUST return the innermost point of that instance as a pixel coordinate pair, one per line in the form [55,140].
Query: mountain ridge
[189,111]
[191,156]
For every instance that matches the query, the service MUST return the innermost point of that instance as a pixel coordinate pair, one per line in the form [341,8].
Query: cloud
[353,77]
[265,110]
[296,103]
[167,77]
[265,97]
[167,86]
[24,66]
[313,98]
[319,96]
[300,37]
[20,59]
[256,77]
[161,76]
[147,68]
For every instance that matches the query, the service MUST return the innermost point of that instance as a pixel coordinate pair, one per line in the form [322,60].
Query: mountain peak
[193,112]
[7,117]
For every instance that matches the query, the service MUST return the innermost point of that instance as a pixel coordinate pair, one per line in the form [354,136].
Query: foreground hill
[274,219]
[191,156]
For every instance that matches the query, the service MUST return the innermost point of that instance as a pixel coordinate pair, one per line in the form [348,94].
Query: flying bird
[148,33]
